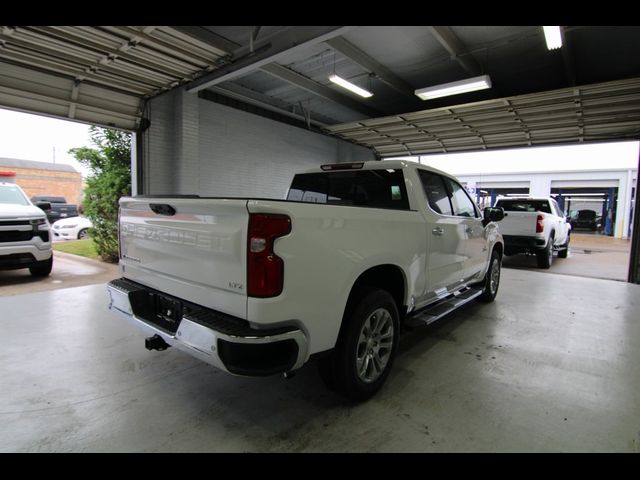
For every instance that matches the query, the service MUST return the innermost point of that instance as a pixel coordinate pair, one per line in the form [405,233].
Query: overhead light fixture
[553,37]
[350,86]
[454,88]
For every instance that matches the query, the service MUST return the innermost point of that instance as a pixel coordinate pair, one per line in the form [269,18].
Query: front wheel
[491,279]
[366,347]
[42,269]
[82,234]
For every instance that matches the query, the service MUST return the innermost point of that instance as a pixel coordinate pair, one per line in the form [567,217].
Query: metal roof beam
[285,43]
[316,88]
[207,36]
[456,49]
[365,61]
[254,98]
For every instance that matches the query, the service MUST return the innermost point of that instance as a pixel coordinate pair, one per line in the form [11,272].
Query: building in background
[43,178]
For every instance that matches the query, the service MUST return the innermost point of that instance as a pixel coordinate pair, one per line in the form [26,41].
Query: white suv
[25,240]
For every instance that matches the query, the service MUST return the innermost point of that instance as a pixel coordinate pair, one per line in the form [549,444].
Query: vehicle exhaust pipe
[155,343]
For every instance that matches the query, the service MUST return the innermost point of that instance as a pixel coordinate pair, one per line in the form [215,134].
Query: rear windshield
[586,215]
[12,195]
[524,205]
[368,188]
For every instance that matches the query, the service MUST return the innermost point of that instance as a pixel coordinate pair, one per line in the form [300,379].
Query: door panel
[445,237]
[474,245]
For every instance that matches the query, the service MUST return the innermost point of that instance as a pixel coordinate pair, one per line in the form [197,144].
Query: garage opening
[593,185]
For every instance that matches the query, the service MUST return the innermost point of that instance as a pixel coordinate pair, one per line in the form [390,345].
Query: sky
[33,137]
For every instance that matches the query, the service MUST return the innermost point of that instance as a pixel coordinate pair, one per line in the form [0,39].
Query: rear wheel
[42,269]
[545,256]
[360,363]
[565,248]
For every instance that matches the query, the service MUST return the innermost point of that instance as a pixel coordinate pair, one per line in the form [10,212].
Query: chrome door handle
[438,231]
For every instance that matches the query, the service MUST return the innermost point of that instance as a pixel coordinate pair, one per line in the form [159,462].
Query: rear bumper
[523,243]
[225,342]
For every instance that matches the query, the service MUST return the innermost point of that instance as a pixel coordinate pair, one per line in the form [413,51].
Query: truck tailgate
[193,248]
[519,223]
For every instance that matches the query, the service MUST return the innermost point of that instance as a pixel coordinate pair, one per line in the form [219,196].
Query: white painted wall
[195,146]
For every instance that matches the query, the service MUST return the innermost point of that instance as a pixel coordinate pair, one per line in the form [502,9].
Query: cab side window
[462,204]
[436,192]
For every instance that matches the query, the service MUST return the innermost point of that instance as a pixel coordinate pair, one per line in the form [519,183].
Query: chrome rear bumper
[223,341]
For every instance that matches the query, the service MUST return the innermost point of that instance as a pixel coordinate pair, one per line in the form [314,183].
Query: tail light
[265,270]
[540,224]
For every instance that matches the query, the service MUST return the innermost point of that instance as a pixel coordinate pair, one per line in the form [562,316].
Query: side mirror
[45,206]
[492,214]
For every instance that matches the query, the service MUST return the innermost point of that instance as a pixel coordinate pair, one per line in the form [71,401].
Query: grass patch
[83,248]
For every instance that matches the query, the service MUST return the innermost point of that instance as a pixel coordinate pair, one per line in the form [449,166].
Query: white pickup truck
[25,240]
[534,225]
[257,286]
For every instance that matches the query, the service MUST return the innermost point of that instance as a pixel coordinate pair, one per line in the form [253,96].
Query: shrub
[110,179]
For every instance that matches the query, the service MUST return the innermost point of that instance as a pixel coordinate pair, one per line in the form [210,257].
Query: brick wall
[48,182]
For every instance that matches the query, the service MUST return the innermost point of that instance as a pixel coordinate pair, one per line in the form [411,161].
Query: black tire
[42,269]
[565,248]
[491,280]
[82,234]
[545,256]
[362,358]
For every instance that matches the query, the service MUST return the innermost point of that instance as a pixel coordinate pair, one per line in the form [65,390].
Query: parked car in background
[24,233]
[59,207]
[534,225]
[73,228]
[584,219]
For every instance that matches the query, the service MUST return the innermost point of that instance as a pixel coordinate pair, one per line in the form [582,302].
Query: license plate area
[160,310]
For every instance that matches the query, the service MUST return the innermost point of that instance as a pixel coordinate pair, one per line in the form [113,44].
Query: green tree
[110,179]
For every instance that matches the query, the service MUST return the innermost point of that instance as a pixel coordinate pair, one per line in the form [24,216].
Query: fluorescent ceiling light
[553,37]
[350,86]
[454,88]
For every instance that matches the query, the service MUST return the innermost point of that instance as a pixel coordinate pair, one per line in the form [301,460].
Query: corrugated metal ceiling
[90,68]
[104,74]
[588,113]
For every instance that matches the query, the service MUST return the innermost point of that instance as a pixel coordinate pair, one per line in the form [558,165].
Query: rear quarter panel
[328,248]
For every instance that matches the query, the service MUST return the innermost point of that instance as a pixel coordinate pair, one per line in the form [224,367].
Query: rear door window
[462,204]
[366,188]
[436,192]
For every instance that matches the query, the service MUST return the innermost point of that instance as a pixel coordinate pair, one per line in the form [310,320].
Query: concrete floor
[590,255]
[550,366]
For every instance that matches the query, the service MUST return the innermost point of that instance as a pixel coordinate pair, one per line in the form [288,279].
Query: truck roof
[374,165]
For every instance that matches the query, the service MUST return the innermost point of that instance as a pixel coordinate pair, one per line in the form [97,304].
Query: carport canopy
[588,90]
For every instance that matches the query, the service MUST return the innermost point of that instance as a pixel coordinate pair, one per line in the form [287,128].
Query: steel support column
[634,260]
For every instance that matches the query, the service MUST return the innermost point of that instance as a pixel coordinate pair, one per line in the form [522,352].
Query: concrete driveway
[68,271]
